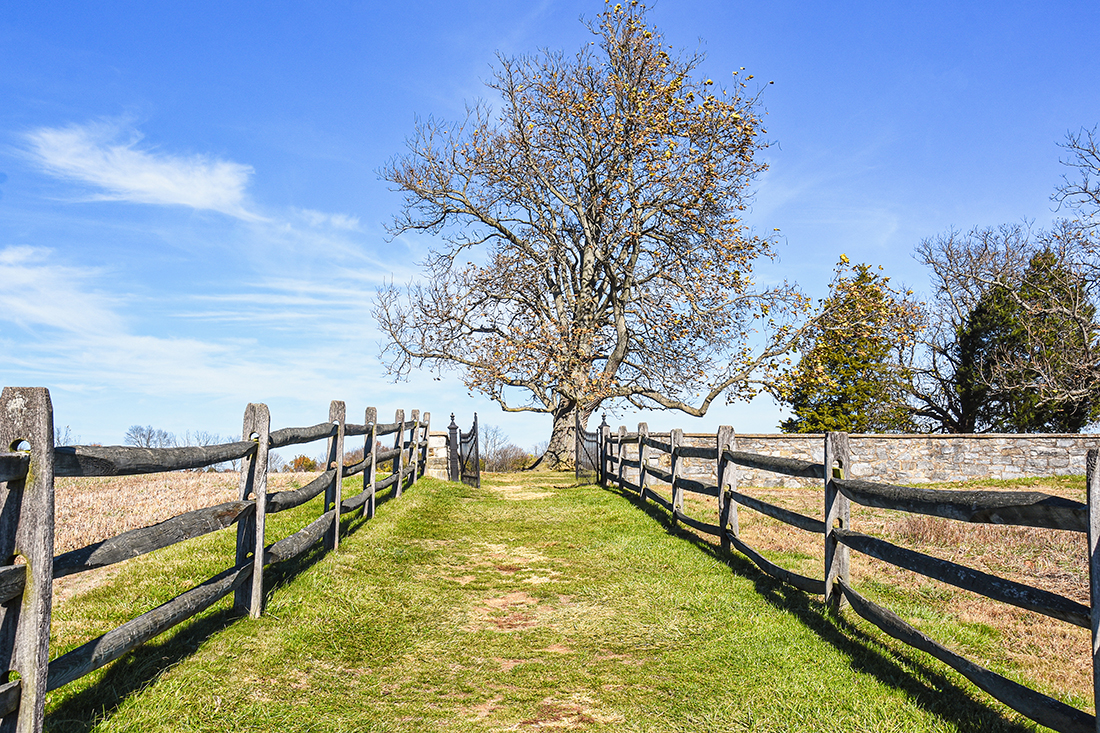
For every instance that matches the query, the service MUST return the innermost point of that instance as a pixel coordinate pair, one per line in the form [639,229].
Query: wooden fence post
[399,444]
[26,531]
[643,433]
[675,440]
[837,515]
[727,482]
[333,497]
[370,452]
[1093,484]
[605,450]
[250,528]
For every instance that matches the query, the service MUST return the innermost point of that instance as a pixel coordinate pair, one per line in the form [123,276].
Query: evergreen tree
[1014,345]
[991,328]
[851,376]
[1023,345]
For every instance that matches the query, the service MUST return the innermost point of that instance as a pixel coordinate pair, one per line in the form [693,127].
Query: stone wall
[905,459]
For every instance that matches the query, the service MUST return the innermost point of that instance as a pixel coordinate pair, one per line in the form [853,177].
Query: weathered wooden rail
[626,460]
[29,461]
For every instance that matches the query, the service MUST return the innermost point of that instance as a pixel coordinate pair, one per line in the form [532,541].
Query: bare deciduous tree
[203,438]
[206,438]
[1081,193]
[275,462]
[64,436]
[149,437]
[593,241]
[1014,343]
[497,452]
[1048,283]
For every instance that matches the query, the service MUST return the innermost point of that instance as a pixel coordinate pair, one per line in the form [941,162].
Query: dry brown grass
[1053,654]
[93,509]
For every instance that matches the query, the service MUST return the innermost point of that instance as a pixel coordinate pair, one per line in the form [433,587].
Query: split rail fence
[29,462]
[627,460]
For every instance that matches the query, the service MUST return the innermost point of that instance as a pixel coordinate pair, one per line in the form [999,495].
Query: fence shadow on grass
[134,672]
[900,669]
[143,666]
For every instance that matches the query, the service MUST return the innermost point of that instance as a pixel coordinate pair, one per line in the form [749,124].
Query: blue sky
[191,218]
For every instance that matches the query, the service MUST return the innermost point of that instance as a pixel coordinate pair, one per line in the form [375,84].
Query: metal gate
[587,452]
[464,457]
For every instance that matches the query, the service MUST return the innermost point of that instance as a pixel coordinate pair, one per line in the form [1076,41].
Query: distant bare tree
[149,437]
[203,438]
[509,458]
[206,438]
[490,438]
[64,436]
[497,452]
[275,462]
[1014,343]
[1014,328]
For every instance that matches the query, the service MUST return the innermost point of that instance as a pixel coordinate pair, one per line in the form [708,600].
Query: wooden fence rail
[29,461]
[1019,508]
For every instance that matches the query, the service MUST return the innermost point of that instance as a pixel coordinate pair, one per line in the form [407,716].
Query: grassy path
[517,606]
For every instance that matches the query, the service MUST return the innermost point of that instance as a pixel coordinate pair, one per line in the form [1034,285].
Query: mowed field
[530,603]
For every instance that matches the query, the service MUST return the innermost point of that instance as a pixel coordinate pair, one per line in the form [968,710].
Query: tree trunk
[560,453]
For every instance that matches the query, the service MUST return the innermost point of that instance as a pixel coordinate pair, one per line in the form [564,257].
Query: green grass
[462,609]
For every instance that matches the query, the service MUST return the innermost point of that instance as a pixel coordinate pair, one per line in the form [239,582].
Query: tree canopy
[590,244]
[1015,342]
[1024,346]
[852,375]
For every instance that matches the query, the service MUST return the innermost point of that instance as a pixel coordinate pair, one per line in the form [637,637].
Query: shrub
[301,464]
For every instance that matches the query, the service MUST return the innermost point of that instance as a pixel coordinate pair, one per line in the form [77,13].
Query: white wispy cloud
[79,336]
[321,219]
[108,157]
[285,317]
[40,292]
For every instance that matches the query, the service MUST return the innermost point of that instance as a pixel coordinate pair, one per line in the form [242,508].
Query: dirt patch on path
[578,711]
[511,612]
[516,492]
